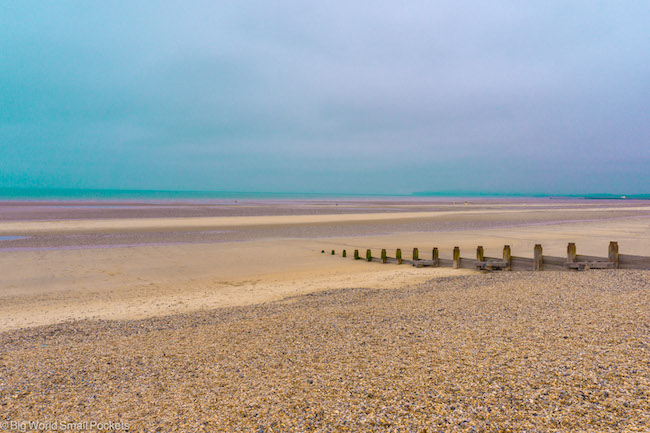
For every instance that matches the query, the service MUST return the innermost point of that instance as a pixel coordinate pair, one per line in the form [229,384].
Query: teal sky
[338,96]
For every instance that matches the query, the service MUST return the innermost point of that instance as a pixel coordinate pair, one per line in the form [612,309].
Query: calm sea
[121,194]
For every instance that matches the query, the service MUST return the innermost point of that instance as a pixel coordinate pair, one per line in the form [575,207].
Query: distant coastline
[590,196]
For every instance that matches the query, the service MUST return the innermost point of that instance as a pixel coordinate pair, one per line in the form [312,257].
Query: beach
[328,217]
[228,316]
[132,260]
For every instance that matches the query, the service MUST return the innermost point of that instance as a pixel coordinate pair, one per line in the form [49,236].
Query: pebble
[514,351]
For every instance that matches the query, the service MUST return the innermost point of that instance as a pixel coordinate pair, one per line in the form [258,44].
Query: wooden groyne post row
[493,264]
[508,262]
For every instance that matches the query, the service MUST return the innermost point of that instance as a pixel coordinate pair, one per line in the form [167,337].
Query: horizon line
[23,192]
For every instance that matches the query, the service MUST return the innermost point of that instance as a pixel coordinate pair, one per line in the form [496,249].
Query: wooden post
[383,256]
[571,252]
[538,260]
[434,255]
[479,254]
[368,255]
[344,254]
[507,257]
[356,254]
[613,253]
[416,254]
[398,256]
[456,264]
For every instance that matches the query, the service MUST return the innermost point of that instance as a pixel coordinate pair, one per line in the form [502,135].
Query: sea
[73,194]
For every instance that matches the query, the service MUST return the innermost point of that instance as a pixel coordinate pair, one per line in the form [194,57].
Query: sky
[347,96]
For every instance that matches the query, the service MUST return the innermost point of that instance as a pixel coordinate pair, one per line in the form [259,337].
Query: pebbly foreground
[556,351]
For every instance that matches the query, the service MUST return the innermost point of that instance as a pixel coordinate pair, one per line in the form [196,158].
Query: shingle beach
[552,351]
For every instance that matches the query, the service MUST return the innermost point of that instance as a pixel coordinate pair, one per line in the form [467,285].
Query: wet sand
[136,267]
[88,209]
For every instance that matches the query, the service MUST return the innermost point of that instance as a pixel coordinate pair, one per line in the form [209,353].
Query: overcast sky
[337,96]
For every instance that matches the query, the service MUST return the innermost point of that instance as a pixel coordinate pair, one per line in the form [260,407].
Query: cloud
[326,97]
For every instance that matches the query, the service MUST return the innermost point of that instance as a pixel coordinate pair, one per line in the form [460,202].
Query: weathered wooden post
[398,256]
[383,256]
[571,252]
[436,261]
[344,253]
[480,256]
[356,254]
[416,254]
[613,253]
[368,255]
[456,264]
[507,257]
[537,260]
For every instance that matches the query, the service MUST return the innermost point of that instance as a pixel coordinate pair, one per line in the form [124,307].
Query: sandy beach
[279,217]
[133,264]
[233,314]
